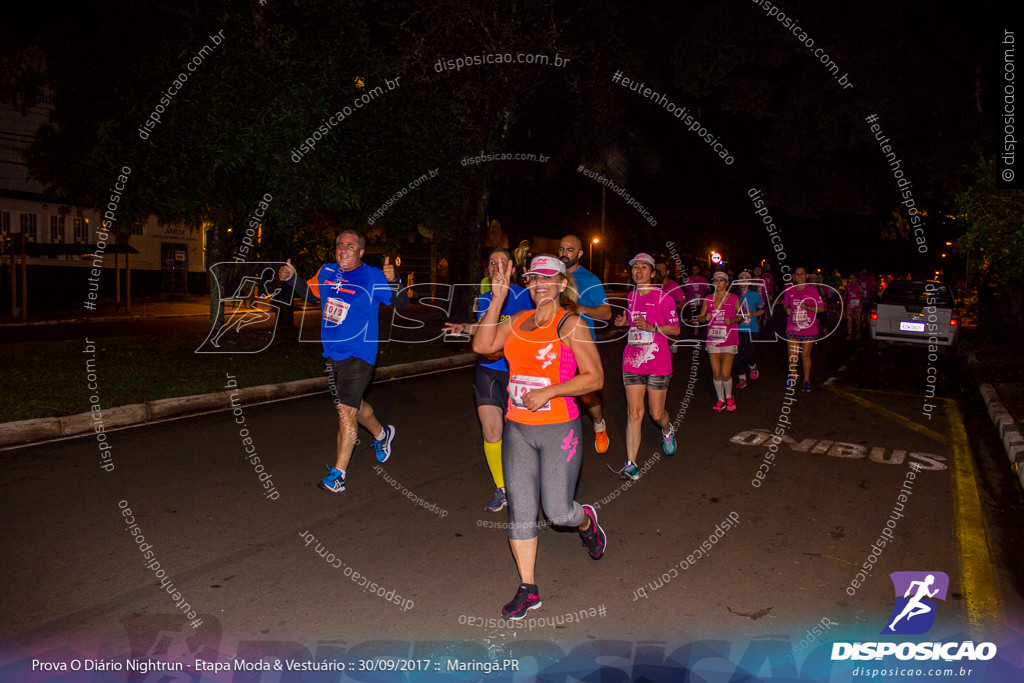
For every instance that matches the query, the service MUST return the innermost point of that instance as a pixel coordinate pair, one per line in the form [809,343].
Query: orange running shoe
[601,440]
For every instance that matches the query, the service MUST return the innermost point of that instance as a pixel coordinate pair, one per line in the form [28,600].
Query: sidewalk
[26,432]
[999,376]
[150,307]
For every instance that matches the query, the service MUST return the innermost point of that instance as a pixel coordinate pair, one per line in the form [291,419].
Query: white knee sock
[720,389]
[727,385]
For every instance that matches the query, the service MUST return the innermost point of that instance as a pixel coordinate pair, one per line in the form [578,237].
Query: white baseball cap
[546,266]
[643,257]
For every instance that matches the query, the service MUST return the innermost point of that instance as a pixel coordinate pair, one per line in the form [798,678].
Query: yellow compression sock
[492,451]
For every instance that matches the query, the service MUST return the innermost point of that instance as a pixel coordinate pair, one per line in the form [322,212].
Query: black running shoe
[594,537]
[527,598]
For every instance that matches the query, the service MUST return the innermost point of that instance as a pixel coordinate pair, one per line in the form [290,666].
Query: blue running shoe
[807,386]
[334,482]
[499,502]
[669,441]
[383,445]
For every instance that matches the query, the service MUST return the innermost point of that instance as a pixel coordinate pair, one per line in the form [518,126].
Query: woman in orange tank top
[551,357]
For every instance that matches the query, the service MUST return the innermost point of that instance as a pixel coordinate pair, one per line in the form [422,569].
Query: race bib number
[520,385]
[335,311]
[638,337]
[803,317]
[718,333]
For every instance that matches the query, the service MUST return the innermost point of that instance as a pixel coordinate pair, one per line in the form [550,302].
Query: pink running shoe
[742,383]
[753,374]
[718,407]
[731,405]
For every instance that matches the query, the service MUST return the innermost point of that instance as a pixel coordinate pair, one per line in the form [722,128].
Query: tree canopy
[285,73]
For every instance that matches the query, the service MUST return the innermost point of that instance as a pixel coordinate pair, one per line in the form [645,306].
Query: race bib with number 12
[520,385]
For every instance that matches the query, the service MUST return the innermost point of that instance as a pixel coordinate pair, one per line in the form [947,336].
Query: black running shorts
[490,387]
[348,380]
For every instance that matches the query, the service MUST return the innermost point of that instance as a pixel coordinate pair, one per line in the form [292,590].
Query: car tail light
[954,318]
[874,311]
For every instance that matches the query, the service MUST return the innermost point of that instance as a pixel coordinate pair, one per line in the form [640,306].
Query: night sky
[743,73]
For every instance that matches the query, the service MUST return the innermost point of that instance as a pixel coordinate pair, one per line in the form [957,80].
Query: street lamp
[592,243]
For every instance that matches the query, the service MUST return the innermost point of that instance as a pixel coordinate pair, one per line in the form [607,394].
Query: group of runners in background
[539,366]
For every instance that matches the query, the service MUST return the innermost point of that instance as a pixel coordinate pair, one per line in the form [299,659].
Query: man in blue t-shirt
[350,293]
[490,381]
[592,304]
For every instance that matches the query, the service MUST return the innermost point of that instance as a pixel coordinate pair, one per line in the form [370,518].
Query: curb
[27,432]
[1006,426]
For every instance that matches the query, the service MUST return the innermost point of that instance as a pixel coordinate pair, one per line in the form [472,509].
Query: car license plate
[911,327]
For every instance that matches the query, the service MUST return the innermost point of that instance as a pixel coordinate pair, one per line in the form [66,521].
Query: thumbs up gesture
[285,272]
[389,270]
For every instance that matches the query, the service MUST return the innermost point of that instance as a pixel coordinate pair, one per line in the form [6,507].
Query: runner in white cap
[541,452]
[646,360]
[721,311]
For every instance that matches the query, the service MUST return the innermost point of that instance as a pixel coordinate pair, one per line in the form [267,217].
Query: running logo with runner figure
[916,601]
[547,355]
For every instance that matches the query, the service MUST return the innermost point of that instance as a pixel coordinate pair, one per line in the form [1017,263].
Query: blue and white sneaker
[628,471]
[383,445]
[334,482]
[499,502]
[669,441]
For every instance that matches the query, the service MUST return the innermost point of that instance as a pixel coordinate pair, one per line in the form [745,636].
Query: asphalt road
[258,570]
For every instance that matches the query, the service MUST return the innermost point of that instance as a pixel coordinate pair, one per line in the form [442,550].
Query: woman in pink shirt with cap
[721,311]
[646,360]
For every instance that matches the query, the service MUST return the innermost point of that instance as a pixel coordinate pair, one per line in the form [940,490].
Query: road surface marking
[977,579]
[895,417]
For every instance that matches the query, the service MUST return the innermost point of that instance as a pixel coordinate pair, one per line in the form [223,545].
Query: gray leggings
[542,464]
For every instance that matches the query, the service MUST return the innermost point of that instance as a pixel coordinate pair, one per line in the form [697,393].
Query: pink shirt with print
[802,320]
[721,333]
[647,353]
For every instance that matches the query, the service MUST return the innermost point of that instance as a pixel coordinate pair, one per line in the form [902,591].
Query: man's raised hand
[285,272]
